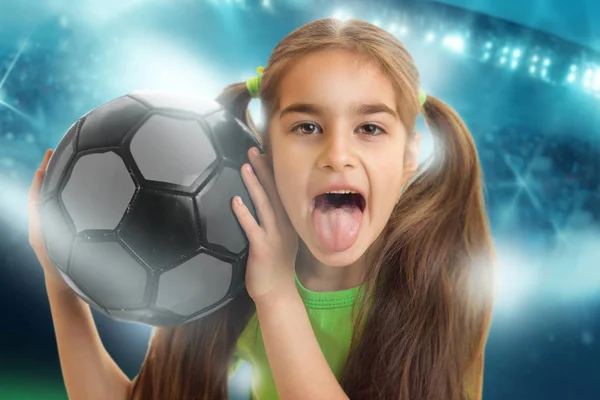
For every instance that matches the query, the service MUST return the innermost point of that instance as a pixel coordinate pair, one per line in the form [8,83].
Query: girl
[369,277]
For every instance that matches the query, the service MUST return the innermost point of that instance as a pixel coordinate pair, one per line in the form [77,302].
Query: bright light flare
[454,43]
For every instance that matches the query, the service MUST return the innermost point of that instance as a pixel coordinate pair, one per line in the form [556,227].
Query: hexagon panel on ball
[197,284]
[161,228]
[171,150]
[80,293]
[107,273]
[58,236]
[98,192]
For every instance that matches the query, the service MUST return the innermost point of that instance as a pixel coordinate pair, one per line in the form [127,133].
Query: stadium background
[525,76]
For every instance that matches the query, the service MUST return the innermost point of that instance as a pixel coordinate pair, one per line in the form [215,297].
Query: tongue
[337,228]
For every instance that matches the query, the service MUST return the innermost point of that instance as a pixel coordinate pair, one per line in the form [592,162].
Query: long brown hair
[422,326]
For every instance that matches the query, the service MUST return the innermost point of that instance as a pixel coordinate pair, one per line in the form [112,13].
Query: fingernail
[249,169]
[238,200]
[254,151]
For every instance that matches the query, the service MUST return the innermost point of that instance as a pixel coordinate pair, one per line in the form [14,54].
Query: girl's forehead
[327,62]
[336,86]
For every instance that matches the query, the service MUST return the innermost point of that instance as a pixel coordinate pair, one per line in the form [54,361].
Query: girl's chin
[337,259]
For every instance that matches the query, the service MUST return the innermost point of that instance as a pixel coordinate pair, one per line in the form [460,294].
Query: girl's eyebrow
[360,109]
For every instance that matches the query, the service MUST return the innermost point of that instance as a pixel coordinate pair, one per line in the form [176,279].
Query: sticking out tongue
[337,219]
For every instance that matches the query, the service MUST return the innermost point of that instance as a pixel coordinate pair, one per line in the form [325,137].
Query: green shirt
[332,323]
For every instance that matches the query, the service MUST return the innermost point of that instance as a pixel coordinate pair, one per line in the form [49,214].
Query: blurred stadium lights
[4,101]
[559,60]
[454,42]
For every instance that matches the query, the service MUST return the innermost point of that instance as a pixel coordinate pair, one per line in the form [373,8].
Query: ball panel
[158,99]
[80,293]
[171,150]
[59,161]
[194,285]
[98,191]
[208,312]
[161,228]
[108,274]
[146,316]
[214,205]
[58,236]
[232,137]
[107,125]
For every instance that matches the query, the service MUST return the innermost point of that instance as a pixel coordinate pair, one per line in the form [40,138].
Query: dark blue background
[537,136]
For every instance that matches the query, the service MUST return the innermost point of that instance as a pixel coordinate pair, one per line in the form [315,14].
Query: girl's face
[337,130]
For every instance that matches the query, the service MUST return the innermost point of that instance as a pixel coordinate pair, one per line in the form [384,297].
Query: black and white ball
[136,207]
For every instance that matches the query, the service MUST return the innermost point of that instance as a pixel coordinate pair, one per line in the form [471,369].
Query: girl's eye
[371,130]
[306,128]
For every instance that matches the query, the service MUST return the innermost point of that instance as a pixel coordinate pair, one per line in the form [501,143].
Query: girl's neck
[319,277]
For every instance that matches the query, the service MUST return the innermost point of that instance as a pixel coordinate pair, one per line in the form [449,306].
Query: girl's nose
[337,153]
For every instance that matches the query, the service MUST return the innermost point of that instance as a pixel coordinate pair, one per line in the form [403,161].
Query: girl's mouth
[339,199]
[337,218]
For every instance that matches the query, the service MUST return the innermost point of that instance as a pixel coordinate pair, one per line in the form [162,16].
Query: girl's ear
[411,157]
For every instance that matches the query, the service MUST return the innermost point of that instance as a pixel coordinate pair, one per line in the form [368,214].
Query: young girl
[369,277]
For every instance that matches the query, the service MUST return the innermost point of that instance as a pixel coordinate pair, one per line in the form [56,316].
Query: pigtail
[235,98]
[474,289]
[433,274]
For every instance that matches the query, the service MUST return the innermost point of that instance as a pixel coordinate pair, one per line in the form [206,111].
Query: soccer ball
[136,207]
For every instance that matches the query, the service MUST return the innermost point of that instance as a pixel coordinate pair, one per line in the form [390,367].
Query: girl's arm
[299,367]
[88,370]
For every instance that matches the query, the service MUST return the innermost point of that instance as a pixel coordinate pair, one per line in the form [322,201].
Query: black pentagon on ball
[161,228]
[107,125]
[232,137]
[59,161]
[136,210]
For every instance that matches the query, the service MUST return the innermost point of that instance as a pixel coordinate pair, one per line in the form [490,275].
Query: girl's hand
[36,239]
[274,243]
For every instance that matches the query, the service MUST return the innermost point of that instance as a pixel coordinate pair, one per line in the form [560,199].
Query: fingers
[265,175]
[246,220]
[38,178]
[263,171]
[259,198]
[33,207]
[34,198]
[46,158]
